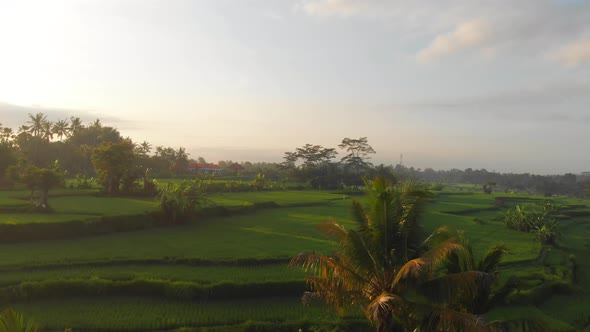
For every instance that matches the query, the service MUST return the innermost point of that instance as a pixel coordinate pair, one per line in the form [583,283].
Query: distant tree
[47,130]
[111,162]
[8,157]
[315,155]
[6,135]
[358,151]
[180,202]
[181,161]
[94,135]
[290,158]
[38,179]
[61,129]
[75,125]
[35,123]
[201,160]
[488,187]
[96,124]
[146,147]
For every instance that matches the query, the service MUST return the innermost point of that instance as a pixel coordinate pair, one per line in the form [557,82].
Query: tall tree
[7,134]
[75,125]
[35,123]
[146,147]
[39,179]
[385,266]
[314,155]
[358,151]
[111,162]
[61,129]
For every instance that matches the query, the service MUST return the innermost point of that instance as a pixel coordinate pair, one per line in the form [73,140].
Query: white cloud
[469,34]
[342,8]
[574,53]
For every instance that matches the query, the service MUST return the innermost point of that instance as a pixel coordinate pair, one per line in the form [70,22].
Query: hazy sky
[503,85]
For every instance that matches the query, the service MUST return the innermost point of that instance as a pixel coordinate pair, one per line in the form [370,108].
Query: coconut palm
[36,123]
[12,321]
[387,268]
[23,129]
[47,130]
[7,134]
[96,124]
[464,260]
[75,125]
[146,147]
[61,128]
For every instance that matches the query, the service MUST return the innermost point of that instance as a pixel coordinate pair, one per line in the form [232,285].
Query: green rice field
[245,252]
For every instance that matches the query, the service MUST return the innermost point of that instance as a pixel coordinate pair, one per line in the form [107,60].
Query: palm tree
[36,123]
[96,124]
[7,133]
[23,129]
[47,130]
[146,147]
[464,260]
[61,128]
[12,321]
[75,125]
[385,266]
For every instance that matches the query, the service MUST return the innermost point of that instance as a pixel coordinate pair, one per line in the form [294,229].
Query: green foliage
[386,267]
[358,151]
[539,221]
[38,179]
[488,187]
[146,314]
[12,321]
[112,162]
[180,202]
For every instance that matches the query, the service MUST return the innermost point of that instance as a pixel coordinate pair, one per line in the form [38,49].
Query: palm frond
[360,216]
[331,228]
[489,263]
[11,321]
[360,256]
[445,319]
[384,305]
[460,287]
[411,270]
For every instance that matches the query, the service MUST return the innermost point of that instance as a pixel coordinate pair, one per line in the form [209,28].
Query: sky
[501,85]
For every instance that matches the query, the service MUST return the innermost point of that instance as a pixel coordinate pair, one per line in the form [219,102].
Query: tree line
[99,152]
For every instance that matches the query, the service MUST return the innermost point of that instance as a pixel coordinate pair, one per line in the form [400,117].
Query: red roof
[201,165]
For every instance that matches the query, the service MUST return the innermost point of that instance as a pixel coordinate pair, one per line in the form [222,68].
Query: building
[201,168]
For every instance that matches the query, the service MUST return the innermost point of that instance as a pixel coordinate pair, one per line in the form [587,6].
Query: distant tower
[401,159]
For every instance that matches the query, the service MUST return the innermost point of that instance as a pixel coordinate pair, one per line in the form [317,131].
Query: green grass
[141,314]
[30,218]
[268,233]
[102,206]
[531,313]
[279,197]
[197,274]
